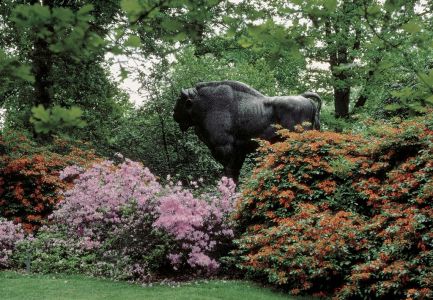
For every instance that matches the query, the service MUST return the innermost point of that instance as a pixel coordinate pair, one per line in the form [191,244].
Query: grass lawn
[49,287]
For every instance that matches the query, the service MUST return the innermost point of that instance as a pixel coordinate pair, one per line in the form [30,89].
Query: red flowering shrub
[29,177]
[342,215]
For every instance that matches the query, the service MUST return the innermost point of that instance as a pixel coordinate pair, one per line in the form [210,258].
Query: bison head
[183,108]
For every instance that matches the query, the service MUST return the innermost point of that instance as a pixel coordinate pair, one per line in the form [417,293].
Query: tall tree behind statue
[358,40]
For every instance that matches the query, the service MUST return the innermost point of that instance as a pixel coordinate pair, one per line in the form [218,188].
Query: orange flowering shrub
[342,215]
[29,177]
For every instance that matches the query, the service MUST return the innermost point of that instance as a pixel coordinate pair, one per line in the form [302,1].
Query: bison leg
[232,173]
[230,159]
[233,168]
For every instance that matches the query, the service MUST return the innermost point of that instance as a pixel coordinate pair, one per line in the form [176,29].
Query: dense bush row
[330,214]
[343,215]
[118,221]
[29,177]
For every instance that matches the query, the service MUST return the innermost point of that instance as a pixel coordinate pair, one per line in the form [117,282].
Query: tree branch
[397,48]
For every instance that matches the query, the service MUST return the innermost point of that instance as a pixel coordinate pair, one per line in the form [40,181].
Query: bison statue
[228,115]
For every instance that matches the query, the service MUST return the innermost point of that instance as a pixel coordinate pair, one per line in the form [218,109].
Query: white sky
[131,84]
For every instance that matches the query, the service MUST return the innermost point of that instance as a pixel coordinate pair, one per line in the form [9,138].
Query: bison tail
[317,98]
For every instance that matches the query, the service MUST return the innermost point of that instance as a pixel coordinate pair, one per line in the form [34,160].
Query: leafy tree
[357,39]
[57,45]
[57,49]
[402,31]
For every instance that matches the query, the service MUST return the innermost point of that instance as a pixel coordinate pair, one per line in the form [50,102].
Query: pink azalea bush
[96,203]
[198,226]
[119,221]
[10,235]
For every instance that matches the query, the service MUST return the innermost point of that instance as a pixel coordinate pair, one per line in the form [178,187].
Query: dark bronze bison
[227,115]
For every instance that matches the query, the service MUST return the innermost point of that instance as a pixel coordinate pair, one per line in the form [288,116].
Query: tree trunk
[341,85]
[164,138]
[338,56]
[341,101]
[41,57]
[41,69]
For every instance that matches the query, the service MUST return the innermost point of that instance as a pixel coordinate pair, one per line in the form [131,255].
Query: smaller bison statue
[228,115]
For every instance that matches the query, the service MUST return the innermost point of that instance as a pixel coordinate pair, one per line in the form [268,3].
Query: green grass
[49,287]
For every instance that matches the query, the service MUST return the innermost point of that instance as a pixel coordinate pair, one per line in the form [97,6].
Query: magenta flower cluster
[111,200]
[10,235]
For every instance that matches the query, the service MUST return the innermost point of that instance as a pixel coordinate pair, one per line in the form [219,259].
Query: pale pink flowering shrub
[70,172]
[95,206]
[118,221]
[10,235]
[200,226]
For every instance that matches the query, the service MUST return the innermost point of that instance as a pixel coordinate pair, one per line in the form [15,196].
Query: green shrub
[342,215]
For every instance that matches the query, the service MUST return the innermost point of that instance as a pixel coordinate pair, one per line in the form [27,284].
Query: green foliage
[12,72]
[64,30]
[134,8]
[133,41]
[63,45]
[342,167]
[49,255]
[53,251]
[58,52]
[356,38]
[170,21]
[414,100]
[56,119]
